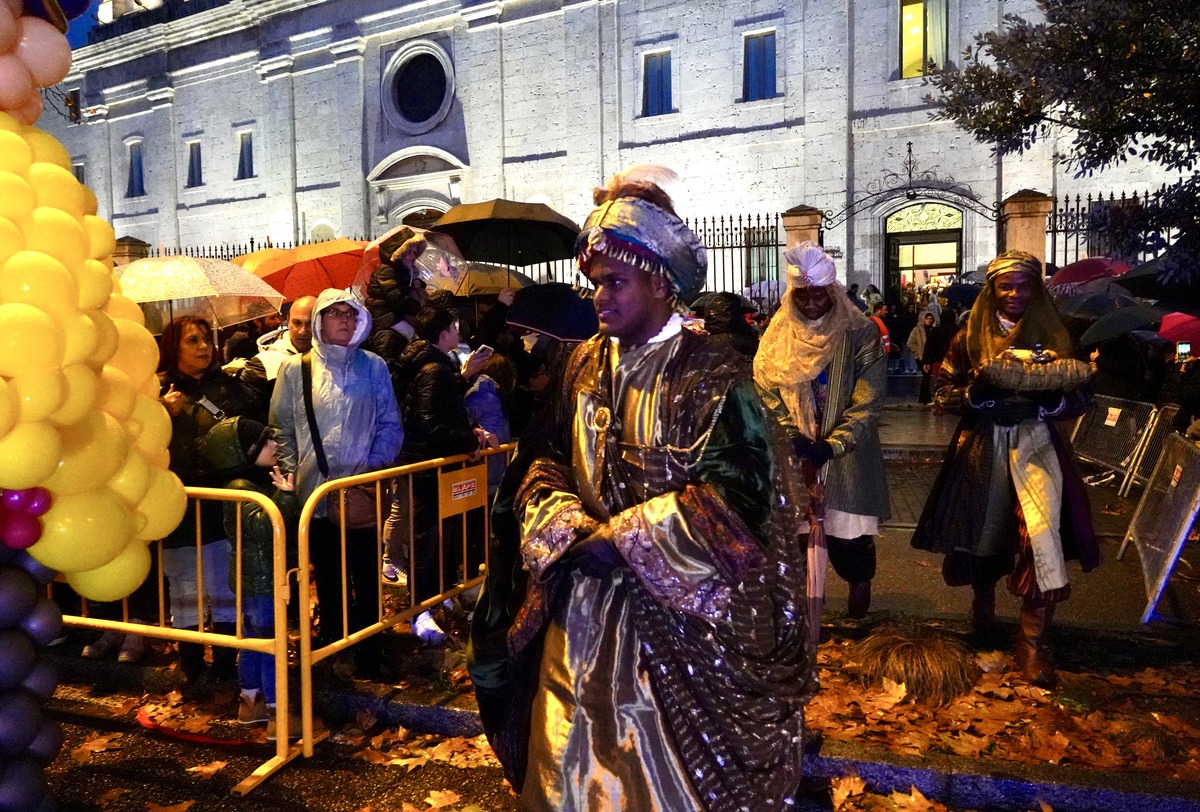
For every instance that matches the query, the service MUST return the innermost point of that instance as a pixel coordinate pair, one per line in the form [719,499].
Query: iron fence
[1084,226]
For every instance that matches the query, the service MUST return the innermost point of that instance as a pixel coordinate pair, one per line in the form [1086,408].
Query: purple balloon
[16,500]
[47,743]
[39,501]
[17,658]
[43,575]
[21,530]
[43,623]
[18,594]
[22,786]
[42,680]
[20,721]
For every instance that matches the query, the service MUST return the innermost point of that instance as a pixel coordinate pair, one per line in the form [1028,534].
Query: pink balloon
[44,50]
[8,28]
[39,502]
[16,82]
[21,530]
[31,110]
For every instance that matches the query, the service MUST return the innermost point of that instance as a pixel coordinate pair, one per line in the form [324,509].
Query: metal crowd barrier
[1114,434]
[275,646]
[462,487]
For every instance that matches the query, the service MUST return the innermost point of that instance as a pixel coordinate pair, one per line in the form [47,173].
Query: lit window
[758,75]
[135,186]
[245,167]
[74,106]
[195,176]
[656,84]
[922,36]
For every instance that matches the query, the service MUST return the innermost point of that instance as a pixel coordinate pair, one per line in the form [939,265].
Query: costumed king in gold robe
[1008,499]
[822,370]
[666,584]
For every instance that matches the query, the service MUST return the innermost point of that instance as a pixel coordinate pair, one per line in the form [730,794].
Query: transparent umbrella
[219,291]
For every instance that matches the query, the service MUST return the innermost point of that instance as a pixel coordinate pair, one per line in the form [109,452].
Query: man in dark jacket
[436,425]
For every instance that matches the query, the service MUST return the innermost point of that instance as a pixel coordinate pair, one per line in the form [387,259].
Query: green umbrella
[1120,322]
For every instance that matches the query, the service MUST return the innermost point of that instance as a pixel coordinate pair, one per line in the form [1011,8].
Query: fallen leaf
[111,797]
[410,763]
[95,744]
[1044,807]
[125,707]
[442,797]
[207,771]
[365,720]
[842,787]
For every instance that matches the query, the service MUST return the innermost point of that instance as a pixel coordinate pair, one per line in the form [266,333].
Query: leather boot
[1032,627]
[224,658]
[860,599]
[983,606]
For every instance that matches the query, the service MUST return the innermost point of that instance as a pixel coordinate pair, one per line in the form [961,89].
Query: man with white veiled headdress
[663,616]
[822,370]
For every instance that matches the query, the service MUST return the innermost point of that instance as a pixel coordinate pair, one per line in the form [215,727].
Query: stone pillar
[276,73]
[1023,218]
[352,173]
[128,249]
[801,223]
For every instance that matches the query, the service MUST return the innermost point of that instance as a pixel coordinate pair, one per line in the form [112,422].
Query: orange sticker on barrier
[462,490]
[1113,416]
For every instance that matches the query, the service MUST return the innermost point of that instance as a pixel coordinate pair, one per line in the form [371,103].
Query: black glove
[1013,409]
[595,555]
[1049,400]
[984,396]
[818,452]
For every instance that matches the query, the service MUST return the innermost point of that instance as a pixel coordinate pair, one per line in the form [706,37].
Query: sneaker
[392,575]
[133,649]
[253,711]
[427,630]
[106,644]
[293,725]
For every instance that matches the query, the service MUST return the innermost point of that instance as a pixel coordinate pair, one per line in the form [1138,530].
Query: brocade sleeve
[553,517]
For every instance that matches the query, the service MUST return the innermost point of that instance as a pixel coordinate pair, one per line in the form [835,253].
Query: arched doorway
[924,244]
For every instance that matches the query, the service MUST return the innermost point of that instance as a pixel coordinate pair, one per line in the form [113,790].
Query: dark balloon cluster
[29,621]
[20,525]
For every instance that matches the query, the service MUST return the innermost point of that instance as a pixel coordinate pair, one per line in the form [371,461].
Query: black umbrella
[508,232]
[555,309]
[1096,304]
[702,301]
[1119,322]
[961,294]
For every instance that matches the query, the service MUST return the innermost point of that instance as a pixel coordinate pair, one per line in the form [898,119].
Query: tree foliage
[1121,76]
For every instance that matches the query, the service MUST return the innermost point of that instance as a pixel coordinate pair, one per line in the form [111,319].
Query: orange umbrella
[252,260]
[306,270]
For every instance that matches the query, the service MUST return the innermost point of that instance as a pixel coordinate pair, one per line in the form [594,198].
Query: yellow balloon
[102,241]
[95,283]
[46,148]
[9,409]
[151,388]
[57,233]
[11,238]
[106,337]
[16,196]
[40,280]
[122,307]
[15,154]
[163,461]
[116,393]
[82,531]
[149,426]
[30,341]
[94,449]
[39,394]
[28,454]
[116,579]
[90,204]
[163,506]
[57,187]
[133,480]
[79,337]
[136,354]
[83,390]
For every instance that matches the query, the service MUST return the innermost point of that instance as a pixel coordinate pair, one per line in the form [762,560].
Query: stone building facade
[210,121]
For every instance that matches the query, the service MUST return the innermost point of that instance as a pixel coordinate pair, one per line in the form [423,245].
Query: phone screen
[1183,349]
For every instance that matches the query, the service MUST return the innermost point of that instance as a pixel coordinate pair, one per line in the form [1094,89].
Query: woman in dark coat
[1008,500]
[725,321]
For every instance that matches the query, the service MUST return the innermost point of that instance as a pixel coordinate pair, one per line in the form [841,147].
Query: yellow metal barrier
[275,646]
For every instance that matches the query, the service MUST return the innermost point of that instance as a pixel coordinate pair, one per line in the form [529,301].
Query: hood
[725,314]
[270,337]
[222,448]
[362,322]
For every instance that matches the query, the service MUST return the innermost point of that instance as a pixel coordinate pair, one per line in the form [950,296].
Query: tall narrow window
[79,170]
[135,186]
[758,74]
[74,106]
[195,173]
[922,36]
[656,84]
[245,167]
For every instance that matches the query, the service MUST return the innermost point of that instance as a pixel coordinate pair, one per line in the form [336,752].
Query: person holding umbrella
[1008,499]
[822,370]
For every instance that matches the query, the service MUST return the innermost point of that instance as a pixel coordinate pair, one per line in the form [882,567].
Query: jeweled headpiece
[809,266]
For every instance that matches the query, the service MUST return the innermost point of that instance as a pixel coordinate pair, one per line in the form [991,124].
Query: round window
[418,87]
